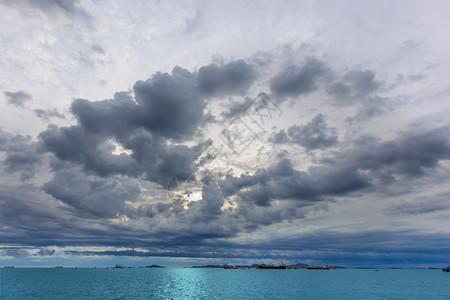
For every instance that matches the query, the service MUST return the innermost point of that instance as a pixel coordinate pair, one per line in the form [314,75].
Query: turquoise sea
[40,283]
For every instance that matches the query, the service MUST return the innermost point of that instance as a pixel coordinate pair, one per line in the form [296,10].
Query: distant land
[119,266]
[254,266]
[209,266]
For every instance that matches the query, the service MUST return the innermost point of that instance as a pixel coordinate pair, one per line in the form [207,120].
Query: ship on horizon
[230,267]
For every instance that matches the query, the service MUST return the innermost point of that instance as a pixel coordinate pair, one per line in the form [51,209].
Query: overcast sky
[201,132]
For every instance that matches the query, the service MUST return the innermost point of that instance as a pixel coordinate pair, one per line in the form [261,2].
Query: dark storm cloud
[18,98]
[47,114]
[298,80]
[21,155]
[314,135]
[210,207]
[30,217]
[409,155]
[169,104]
[220,80]
[103,198]
[76,145]
[113,117]
[151,157]
[282,181]
[160,161]
[166,107]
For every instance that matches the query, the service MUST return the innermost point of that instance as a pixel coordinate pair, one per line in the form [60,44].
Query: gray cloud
[372,107]
[18,98]
[423,205]
[238,108]
[362,89]
[409,155]
[167,105]
[67,7]
[47,114]
[233,78]
[314,135]
[279,137]
[371,247]
[151,157]
[46,252]
[160,161]
[354,87]
[15,252]
[346,172]
[21,155]
[282,181]
[298,80]
[98,49]
[376,248]
[33,218]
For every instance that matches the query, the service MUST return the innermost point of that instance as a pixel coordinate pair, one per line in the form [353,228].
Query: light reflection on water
[222,284]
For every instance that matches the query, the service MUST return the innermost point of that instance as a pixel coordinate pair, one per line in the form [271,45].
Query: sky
[185,133]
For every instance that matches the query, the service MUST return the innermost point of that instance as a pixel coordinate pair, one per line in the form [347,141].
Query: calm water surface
[222,284]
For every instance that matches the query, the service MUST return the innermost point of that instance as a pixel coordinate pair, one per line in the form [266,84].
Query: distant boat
[9,267]
[59,267]
[281,266]
[318,268]
[446,269]
[229,267]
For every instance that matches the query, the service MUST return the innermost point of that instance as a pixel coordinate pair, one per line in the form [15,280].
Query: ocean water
[21,283]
